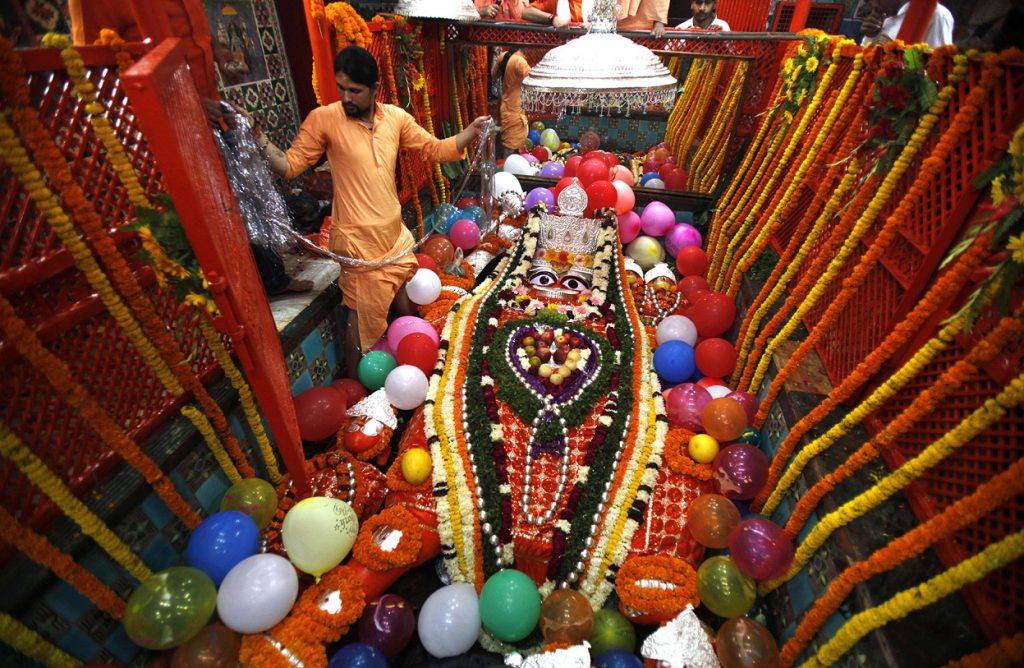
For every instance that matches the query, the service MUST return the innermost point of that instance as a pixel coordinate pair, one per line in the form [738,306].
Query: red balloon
[419,350]
[465,202]
[675,180]
[320,411]
[692,261]
[601,195]
[710,381]
[541,153]
[665,170]
[572,164]
[715,357]
[691,284]
[591,170]
[562,184]
[713,314]
[652,164]
[351,388]
[426,262]
[610,159]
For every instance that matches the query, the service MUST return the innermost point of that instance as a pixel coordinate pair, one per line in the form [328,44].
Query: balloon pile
[661,170]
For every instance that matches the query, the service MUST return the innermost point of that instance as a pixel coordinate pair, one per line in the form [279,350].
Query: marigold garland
[648,599]
[706,172]
[676,443]
[109,37]
[42,477]
[1003,653]
[349,27]
[34,646]
[205,429]
[398,518]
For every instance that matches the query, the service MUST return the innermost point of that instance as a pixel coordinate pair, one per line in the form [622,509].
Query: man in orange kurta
[512,69]
[362,138]
[548,12]
[644,15]
[500,9]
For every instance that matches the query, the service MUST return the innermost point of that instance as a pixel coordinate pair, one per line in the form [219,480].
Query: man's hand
[558,22]
[479,124]
[488,12]
[472,131]
[872,25]
[658,31]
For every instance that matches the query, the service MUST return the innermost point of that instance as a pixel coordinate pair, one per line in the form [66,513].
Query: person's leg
[353,352]
[402,305]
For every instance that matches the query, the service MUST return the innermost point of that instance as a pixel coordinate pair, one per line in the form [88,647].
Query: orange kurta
[551,7]
[367,216]
[641,14]
[507,9]
[514,125]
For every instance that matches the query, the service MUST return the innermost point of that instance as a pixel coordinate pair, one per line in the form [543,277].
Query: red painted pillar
[323,56]
[916,21]
[800,14]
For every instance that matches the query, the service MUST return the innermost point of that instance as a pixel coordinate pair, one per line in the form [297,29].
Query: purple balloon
[748,401]
[681,236]
[684,405]
[387,624]
[554,170]
[538,195]
[739,471]
[761,548]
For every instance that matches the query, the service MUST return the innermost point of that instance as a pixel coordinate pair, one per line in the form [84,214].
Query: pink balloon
[748,401]
[681,236]
[625,199]
[685,404]
[382,344]
[739,471]
[760,548]
[657,219]
[530,158]
[464,234]
[409,324]
[622,173]
[629,226]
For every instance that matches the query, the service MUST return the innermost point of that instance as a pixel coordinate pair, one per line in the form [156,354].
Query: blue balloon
[474,213]
[697,375]
[450,220]
[673,361]
[358,655]
[534,136]
[220,542]
[618,658]
[648,176]
[439,216]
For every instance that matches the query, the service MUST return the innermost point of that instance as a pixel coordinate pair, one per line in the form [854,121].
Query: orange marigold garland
[676,442]
[1003,653]
[349,28]
[110,38]
[632,584]
[367,552]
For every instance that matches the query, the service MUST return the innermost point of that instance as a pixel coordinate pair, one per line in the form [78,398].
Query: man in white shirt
[886,19]
[704,16]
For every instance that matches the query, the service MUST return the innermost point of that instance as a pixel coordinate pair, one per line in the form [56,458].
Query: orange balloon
[743,643]
[724,418]
[566,616]
[711,518]
[440,249]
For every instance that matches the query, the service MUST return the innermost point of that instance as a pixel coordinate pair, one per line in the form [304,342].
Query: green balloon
[724,589]
[170,607]
[255,497]
[509,605]
[374,369]
[549,139]
[611,631]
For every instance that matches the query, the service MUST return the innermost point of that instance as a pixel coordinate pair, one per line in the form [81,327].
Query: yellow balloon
[724,589]
[703,448]
[318,533]
[416,466]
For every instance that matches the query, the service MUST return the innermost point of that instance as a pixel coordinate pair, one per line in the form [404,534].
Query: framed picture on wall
[237,52]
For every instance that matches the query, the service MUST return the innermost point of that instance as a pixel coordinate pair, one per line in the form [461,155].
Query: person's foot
[297,285]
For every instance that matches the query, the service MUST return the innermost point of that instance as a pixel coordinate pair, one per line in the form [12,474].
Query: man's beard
[354,111]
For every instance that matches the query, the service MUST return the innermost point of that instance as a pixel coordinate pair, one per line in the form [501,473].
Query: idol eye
[543,278]
[574,283]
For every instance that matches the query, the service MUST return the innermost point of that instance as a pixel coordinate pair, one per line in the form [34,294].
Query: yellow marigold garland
[36,471]
[205,429]
[110,38]
[34,646]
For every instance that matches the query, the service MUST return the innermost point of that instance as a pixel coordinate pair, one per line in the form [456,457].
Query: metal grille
[824,16]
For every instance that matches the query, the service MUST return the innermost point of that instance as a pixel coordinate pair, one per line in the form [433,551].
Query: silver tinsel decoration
[681,643]
[453,10]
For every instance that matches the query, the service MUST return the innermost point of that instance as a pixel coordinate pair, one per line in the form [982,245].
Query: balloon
[648,176]
[685,404]
[610,159]
[723,588]
[690,284]
[538,195]
[358,655]
[719,392]
[624,197]
[740,471]
[713,314]
[562,184]
[611,631]
[749,403]
[438,217]
[318,533]
[221,541]
[623,174]
[652,163]
[707,382]
[258,593]
[466,202]
[406,325]
[676,328]
[549,139]
[424,287]
[591,170]
[169,607]
[387,624]
[509,605]
[254,497]
[572,165]
[374,368]
[406,387]
[553,170]
[657,219]
[465,234]
[352,389]
[675,180]
[710,519]
[617,658]
[703,448]
[534,136]
[566,616]
[724,419]
[715,357]
[692,261]
[673,361]
[602,195]
[681,236]
[320,412]
[426,262]
[646,251]
[419,350]
[449,620]
[656,184]
[761,548]
[450,220]
[473,213]
[216,646]
[503,182]
[518,164]
[589,141]
[440,249]
[629,226]
[416,466]
[541,153]
[743,643]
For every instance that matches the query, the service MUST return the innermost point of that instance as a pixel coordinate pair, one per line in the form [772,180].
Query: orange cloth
[641,14]
[367,216]
[551,6]
[514,125]
[507,9]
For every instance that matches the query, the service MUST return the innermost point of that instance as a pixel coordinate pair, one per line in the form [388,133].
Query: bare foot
[296,285]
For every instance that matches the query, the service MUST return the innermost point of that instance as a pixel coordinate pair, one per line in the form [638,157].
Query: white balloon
[502,182]
[424,287]
[449,621]
[257,593]
[406,387]
[718,391]
[657,184]
[677,328]
[517,164]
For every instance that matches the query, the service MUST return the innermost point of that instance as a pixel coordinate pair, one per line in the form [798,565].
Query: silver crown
[572,201]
